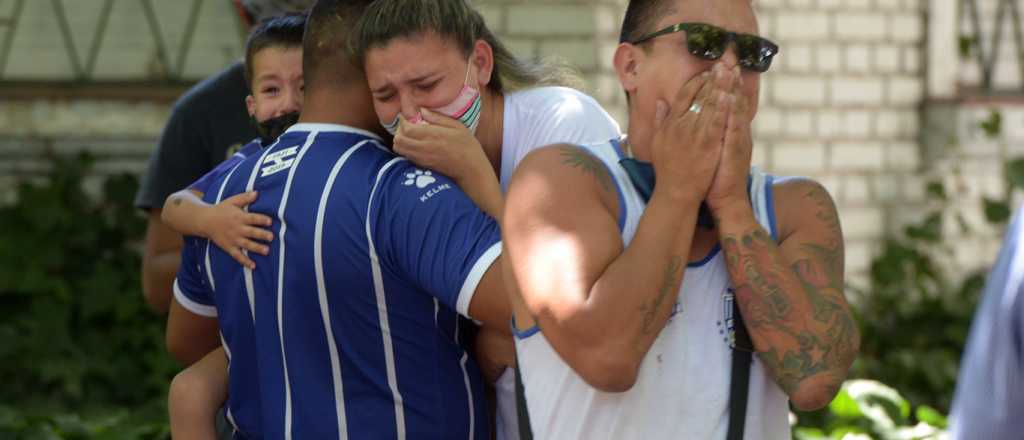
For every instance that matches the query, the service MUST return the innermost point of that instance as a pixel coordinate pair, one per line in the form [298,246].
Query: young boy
[273,69]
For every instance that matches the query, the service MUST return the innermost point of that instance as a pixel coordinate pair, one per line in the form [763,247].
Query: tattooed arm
[599,305]
[791,294]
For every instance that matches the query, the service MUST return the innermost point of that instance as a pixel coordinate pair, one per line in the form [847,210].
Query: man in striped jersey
[351,326]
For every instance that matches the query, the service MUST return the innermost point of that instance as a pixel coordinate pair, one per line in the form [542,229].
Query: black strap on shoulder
[525,430]
[739,385]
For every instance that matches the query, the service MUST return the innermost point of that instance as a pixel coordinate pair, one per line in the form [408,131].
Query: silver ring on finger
[696,108]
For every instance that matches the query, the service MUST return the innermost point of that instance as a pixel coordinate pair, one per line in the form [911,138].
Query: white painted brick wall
[840,104]
[802,26]
[799,91]
[857,156]
[857,91]
[861,26]
[798,158]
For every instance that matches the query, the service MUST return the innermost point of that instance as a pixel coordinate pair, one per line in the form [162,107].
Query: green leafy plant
[914,319]
[81,356]
[872,409]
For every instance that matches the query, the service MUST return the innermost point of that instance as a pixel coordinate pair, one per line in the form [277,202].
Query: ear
[627,61]
[250,105]
[483,60]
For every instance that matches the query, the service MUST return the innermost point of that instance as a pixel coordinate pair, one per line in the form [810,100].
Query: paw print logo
[419,178]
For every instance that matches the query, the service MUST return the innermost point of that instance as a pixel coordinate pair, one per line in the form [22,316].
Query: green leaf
[996,211]
[936,190]
[930,230]
[809,434]
[993,125]
[844,406]
[967,44]
[930,416]
[880,404]
[1015,173]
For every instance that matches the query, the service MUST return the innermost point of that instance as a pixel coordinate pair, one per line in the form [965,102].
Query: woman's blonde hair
[387,20]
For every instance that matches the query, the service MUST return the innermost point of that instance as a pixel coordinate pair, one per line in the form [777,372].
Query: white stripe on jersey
[321,288]
[250,290]
[227,353]
[469,392]
[382,310]
[192,306]
[476,273]
[220,193]
[280,282]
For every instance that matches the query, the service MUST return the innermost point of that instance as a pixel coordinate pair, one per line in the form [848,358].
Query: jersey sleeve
[427,230]
[203,184]
[191,288]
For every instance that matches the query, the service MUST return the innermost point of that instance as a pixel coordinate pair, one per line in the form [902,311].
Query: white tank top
[682,390]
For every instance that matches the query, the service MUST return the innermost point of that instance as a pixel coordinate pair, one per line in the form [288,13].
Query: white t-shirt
[536,118]
[546,115]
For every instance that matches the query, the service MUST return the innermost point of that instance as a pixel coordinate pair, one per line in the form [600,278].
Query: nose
[293,101]
[409,108]
[729,58]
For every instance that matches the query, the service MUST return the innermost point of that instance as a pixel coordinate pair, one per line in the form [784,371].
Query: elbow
[813,398]
[157,297]
[817,391]
[610,372]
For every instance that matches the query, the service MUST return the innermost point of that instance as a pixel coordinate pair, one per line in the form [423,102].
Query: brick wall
[842,103]
[584,33]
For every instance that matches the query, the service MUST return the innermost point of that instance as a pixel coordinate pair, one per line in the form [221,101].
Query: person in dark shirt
[208,124]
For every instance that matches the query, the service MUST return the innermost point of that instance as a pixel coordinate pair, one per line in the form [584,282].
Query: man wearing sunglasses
[630,298]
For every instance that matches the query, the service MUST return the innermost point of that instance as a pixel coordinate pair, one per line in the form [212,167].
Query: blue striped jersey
[351,326]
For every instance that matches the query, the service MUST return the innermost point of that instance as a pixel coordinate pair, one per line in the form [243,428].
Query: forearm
[630,301]
[184,212]
[494,351]
[803,333]
[158,272]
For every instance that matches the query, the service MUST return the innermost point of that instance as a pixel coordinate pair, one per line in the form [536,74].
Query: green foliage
[993,125]
[967,45]
[79,345]
[913,318]
[914,321]
[872,409]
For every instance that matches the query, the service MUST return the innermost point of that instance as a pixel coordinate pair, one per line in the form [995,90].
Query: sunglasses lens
[755,53]
[704,41]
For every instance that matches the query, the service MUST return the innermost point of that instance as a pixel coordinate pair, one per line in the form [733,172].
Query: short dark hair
[282,31]
[642,16]
[326,54]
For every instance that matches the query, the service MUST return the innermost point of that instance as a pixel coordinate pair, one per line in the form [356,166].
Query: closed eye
[428,86]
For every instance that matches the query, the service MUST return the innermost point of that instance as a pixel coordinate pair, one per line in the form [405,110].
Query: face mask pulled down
[273,128]
[466,108]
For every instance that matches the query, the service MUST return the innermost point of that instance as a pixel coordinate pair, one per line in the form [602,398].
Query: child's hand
[233,229]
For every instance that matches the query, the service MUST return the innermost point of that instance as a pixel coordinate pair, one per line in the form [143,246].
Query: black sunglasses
[710,42]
